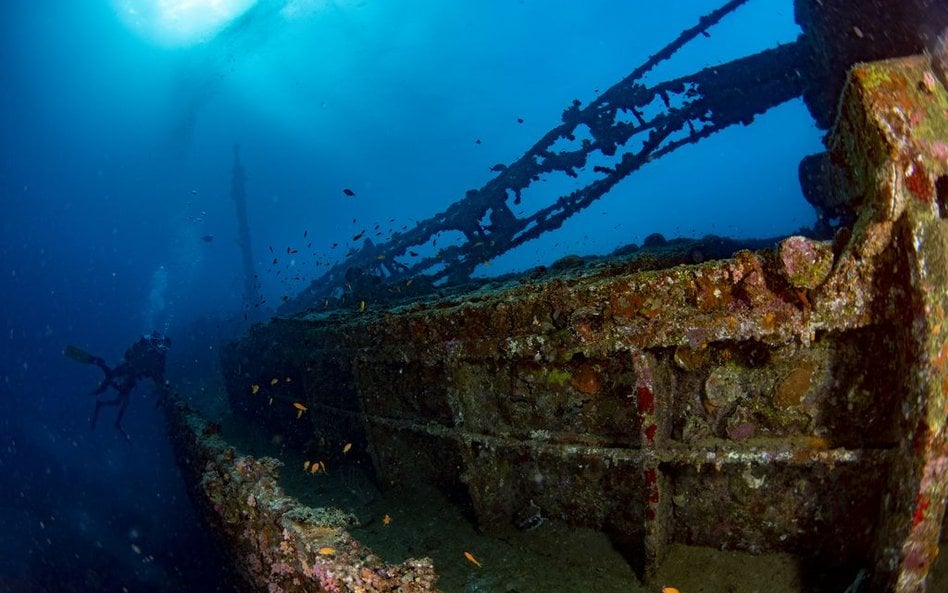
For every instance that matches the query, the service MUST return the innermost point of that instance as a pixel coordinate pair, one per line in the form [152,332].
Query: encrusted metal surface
[277,544]
[791,399]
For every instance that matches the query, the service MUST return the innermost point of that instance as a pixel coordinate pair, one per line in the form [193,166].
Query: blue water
[115,157]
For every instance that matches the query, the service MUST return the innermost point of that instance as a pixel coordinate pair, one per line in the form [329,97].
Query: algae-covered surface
[415,520]
[423,522]
[553,557]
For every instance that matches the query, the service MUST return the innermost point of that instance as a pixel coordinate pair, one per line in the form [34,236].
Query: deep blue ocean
[119,119]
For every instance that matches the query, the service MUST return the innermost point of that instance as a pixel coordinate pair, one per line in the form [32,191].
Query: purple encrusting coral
[806,263]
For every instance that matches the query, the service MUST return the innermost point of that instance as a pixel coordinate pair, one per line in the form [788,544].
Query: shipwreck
[785,396]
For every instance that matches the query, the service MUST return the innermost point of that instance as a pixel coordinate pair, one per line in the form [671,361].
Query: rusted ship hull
[785,400]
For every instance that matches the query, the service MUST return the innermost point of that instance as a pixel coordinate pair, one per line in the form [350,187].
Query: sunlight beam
[175,23]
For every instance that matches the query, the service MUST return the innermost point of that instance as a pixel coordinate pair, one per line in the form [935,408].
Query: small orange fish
[470,558]
[254,389]
[327,551]
[300,408]
[346,447]
[305,465]
[670,590]
[314,468]
[387,519]
[274,381]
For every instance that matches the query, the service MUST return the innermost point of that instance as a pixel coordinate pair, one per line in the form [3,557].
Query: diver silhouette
[145,359]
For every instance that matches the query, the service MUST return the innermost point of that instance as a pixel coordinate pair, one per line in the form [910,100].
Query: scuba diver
[145,359]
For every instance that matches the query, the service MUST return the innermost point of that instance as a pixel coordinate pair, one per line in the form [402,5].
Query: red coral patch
[918,183]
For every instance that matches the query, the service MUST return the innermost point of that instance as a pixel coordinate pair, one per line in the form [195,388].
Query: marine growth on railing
[627,126]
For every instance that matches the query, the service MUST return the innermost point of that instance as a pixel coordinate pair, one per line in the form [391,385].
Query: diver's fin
[79,355]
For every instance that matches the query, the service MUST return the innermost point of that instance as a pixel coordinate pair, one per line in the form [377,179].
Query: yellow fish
[300,408]
[361,306]
[314,468]
[470,558]
[670,590]
[346,447]
[274,381]
[387,519]
[254,389]
[327,551]
[306,465]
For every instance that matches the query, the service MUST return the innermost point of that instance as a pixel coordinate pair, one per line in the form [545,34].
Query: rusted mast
[238,192]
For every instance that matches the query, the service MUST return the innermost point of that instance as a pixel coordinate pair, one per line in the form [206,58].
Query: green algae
[557,377]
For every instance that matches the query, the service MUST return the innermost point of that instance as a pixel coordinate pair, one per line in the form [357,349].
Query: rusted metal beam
[892,140]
